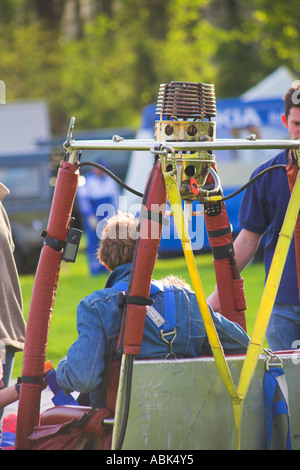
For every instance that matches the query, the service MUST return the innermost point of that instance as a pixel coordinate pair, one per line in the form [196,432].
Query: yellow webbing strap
[217,349]
[237,395]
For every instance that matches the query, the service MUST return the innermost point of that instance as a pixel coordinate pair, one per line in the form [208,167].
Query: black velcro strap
[54,243]
[223,252]
[154,216]
[133,299]
[219,233]
[30,379]
[136,300]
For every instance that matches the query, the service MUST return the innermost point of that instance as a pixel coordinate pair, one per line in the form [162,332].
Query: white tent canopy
[272,87]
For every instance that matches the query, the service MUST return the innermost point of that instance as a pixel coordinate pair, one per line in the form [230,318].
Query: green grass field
[75,283]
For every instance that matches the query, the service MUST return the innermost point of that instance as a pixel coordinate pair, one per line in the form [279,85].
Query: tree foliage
[113,64]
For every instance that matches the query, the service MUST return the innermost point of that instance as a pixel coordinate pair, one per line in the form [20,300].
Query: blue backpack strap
[274,378]
[168,332]
[169,311]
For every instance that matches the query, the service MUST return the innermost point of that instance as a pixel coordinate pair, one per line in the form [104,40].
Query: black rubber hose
[112,175]
[274,167]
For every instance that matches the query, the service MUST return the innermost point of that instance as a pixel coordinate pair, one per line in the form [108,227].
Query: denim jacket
[99,322]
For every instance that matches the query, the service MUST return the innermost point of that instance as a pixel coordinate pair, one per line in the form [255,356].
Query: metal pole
[147,145]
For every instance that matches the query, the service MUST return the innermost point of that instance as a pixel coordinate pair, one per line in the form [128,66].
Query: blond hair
[118,240]
[177,281]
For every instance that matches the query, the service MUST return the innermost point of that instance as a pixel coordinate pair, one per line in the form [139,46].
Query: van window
[23,182]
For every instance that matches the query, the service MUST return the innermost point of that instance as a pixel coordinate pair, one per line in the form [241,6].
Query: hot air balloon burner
[185,111]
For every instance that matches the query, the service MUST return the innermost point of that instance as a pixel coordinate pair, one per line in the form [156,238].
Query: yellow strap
[217,349]
[237,395]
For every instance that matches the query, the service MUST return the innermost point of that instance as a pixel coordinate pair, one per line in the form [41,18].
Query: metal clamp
[163,149]
[272,360]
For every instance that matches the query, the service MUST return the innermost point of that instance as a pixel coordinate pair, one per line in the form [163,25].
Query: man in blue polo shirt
[262,209]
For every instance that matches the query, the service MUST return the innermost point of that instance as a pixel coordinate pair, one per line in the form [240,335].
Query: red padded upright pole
[230,284]
[41,306]
[154,201]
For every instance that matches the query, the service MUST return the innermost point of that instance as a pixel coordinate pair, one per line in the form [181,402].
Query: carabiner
[170,343]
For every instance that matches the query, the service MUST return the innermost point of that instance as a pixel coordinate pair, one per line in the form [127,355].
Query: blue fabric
[59,397]
[8,439]
[273,409]
[98,324]
[7,371]
[263,207]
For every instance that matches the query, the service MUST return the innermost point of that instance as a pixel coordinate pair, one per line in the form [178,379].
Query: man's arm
[245,246]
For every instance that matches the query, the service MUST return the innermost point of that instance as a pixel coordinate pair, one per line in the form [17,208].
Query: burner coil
[186,100]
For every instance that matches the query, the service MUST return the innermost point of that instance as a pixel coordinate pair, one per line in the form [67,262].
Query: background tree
[103,60]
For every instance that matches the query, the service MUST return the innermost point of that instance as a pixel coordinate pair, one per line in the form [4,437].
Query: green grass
[75,282]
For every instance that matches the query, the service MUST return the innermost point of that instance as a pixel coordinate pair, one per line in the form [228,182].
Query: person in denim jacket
[99,320]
